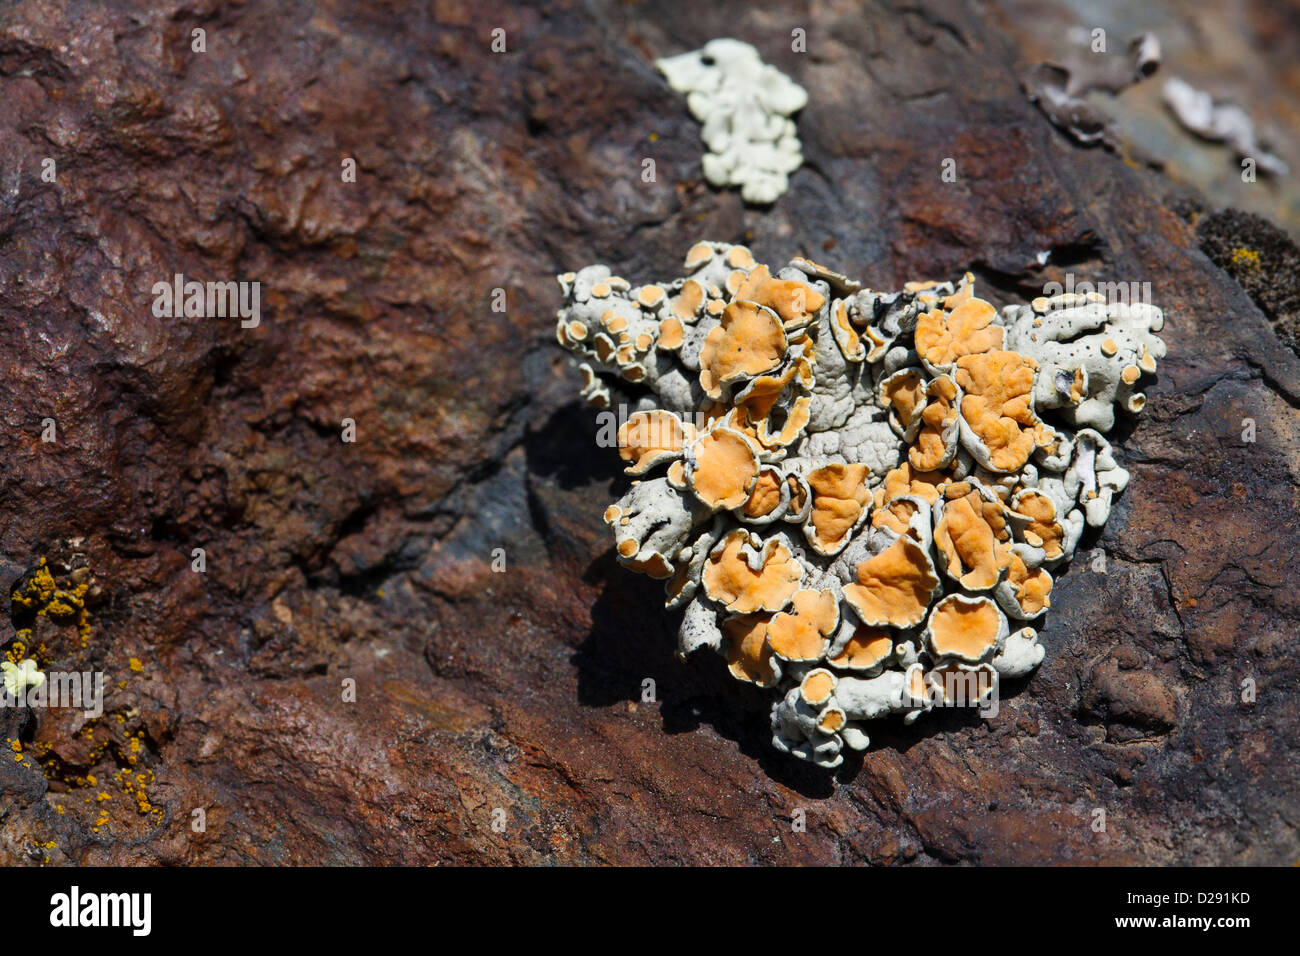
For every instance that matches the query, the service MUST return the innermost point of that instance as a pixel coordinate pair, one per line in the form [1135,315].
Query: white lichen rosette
[745,107]
[859,499]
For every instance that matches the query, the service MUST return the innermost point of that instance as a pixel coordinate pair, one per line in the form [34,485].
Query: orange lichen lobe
[1032,587]
[750,341]
[846,336]
[744,580]
[840,496]
[817,687]
[897,516]
[766,495]
[749,658]
[724,469]
[973,537]
[685,305]
[803,633]
[944,337]
[908,480]
[904,393]
[867,648]
[965,628]
[933,448]
[795,302]
[671,334]
[1043,530]
[894,587]
[648,438]
[997,399]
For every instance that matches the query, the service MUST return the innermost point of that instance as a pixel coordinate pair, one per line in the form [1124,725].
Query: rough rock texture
[1264,261]
[521,690]
[1241,53]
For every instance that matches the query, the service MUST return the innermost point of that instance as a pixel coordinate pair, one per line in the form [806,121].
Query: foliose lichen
[858,498]
[1063,89]
[1219,122]
[745,107]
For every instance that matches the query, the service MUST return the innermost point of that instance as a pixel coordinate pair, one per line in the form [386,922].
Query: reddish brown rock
[492,719]
[1132,703]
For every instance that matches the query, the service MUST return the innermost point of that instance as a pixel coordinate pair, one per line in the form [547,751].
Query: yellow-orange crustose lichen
[113,738]
[857,498]
[42,597]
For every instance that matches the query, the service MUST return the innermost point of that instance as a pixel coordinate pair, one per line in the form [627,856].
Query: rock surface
[499,715]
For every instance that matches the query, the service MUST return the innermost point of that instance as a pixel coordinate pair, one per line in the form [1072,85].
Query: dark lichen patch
[1264,261]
